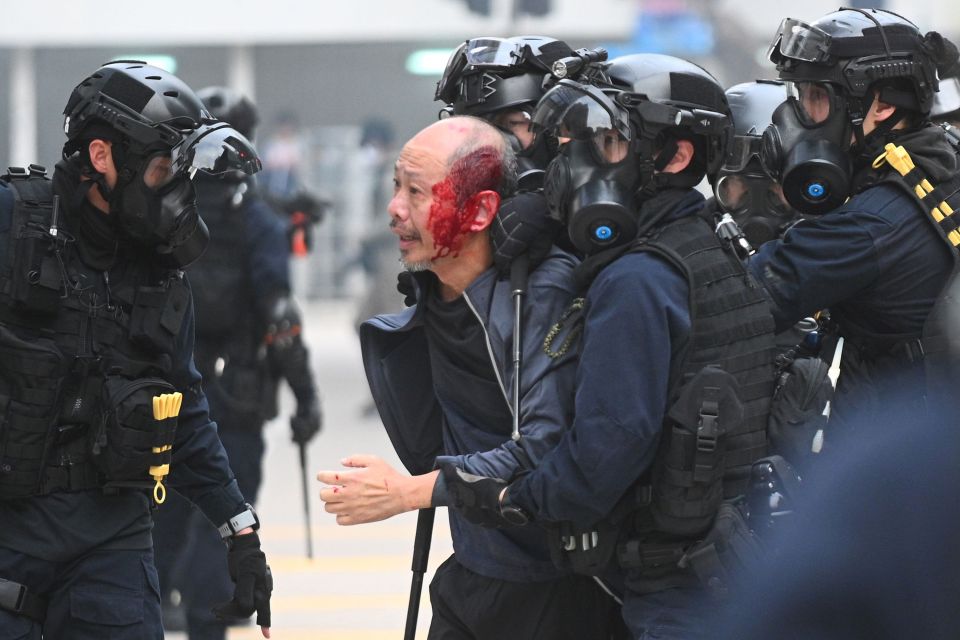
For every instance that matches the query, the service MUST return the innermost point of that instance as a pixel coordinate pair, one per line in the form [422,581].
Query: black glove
[522,225]
[254,582]
[307,422]
[478,499]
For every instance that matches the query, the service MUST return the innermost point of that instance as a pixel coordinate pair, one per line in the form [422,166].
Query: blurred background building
[323,73]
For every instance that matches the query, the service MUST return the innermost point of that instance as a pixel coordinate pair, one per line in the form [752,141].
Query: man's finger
[265,631]
[332,494]
[360,460]
[345,520]
[331,477]
[337,508]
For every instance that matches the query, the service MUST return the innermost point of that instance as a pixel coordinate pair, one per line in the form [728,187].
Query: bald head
[459,135]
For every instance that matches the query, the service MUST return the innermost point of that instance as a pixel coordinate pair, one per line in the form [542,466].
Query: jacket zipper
[493,360]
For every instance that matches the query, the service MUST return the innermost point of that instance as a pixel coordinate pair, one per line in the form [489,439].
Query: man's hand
[523,226]
[307,421]
[370,490]
[254,583]
[479,499]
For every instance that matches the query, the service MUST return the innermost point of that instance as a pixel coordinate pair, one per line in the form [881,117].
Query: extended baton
[519,273]
[306,498]
[421,553]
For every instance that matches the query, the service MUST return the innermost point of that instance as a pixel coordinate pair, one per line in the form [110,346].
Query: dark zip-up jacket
[398,369]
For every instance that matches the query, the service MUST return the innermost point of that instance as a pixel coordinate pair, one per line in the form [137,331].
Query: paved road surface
[357,585]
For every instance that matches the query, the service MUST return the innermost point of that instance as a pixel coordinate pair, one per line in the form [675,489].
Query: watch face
[514,515]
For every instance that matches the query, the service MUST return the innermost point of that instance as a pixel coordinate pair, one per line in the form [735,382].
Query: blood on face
[455,198]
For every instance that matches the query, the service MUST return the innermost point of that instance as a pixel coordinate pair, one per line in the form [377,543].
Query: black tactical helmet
[853,49]
[484,75]
[144,105]
[232,107]
[148,109]
[671,96]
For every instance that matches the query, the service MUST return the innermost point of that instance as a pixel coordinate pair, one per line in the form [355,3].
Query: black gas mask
[806,148]
[757,204]
[591,184]
[154,198]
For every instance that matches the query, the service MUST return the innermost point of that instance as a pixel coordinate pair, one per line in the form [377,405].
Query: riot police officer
[248,333]
[856,126]
[501,80]
[675,372]
[96,326]
[750,211]
[742,188]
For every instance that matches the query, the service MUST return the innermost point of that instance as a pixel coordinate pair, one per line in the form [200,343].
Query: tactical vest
[220,280]
[82,354]
[715,427]
[229,351]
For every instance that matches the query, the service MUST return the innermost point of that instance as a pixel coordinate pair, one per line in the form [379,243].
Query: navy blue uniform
[636,324]
[250,249]
[90,553]
[878,265]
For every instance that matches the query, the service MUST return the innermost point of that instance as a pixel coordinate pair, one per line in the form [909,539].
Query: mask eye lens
[610,145]
[158,172]
[516,122]
[732,192]
[813,100]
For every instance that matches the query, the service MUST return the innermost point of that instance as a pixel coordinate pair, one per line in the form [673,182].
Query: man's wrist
[244,522]
[417,491]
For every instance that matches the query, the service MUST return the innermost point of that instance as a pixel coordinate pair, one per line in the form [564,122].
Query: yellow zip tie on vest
[166,405]
[898,158]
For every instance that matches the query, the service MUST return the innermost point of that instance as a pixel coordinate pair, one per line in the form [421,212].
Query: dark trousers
[671,614]
[191,557]
[105,594]
[468,606]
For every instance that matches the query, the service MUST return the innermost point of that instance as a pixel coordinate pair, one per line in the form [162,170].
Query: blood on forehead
[454,198]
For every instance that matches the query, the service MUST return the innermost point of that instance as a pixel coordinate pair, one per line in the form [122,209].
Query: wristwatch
[512,512]
[239,522]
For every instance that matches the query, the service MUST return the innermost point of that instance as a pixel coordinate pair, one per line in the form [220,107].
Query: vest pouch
[803,391]
[157,315]
[36,279]
[688,470]
[236,396]
[727,553]
[31,374]
[123,445]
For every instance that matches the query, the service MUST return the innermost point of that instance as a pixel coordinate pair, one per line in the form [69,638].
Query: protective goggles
[740,152]
[584,112]
[948,98]
[480,54]
[797,40]
[214,148]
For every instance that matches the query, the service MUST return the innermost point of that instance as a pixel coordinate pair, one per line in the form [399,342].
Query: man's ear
[101,155]
[881,110]
[482,207]
[681,159]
